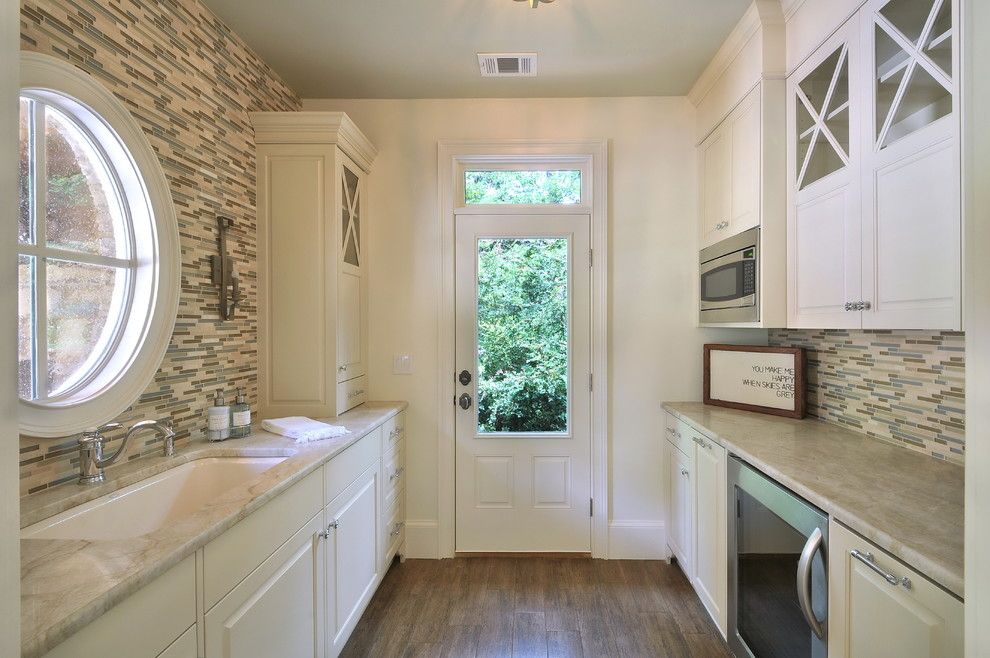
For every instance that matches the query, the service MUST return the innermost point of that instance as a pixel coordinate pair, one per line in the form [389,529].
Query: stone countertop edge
[944,570]
[52,614]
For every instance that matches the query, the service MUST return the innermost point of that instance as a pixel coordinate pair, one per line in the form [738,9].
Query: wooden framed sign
[767,380]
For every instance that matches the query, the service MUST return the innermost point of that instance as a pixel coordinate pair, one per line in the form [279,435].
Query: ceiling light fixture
[535,3]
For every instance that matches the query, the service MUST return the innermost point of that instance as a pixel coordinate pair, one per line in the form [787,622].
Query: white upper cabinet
[740,108]
[912,266]
[874,223]
[823,236]
[313,294]
[730,178]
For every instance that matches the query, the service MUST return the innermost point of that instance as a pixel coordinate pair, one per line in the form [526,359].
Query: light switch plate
[402,364]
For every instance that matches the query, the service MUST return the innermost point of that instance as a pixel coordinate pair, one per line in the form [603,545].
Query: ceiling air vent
[507,65]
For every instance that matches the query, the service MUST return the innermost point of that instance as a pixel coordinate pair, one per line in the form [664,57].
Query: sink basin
[153,503]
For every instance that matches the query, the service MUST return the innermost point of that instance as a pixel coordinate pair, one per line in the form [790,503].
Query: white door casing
[524,490]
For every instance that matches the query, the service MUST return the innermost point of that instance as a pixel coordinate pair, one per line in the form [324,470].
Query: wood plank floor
[555,607]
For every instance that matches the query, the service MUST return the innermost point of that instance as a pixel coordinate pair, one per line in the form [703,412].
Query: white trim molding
[315,128]
[451,154]
[637,540]
[422,539]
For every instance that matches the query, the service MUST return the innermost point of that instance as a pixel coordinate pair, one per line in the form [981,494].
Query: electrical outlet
[402,364]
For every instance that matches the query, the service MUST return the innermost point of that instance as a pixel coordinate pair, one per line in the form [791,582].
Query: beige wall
[655,348]
[10,572]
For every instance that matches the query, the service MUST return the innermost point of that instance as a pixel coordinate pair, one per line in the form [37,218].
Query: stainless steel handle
[341,368]
[396,432]
[849,306]
[356,393]
[815,543]
[866,306]
[685,472]
[397,473]
[397,529]
[871,562]
[333,525]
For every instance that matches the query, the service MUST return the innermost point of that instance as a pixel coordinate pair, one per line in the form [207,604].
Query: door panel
[523,463]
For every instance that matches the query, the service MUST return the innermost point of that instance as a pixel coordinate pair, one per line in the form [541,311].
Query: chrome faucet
[91,459]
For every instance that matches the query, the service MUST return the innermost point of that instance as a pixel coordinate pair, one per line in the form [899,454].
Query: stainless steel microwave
[730,275]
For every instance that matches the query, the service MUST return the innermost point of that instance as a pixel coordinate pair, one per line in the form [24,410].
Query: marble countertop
[909,504]
[66,584]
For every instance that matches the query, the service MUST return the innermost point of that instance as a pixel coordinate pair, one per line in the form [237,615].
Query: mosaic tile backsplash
[901,386]
[190,83]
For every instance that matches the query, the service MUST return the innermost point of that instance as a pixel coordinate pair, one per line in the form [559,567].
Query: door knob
[464,401]
[464,378]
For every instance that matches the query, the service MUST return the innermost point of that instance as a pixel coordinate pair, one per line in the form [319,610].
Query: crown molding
[760,14]
[334,128]
[790,7]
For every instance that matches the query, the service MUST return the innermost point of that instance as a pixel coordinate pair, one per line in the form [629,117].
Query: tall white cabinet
[874,222]
[313,293]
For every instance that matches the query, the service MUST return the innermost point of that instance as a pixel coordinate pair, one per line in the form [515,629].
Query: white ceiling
[426,48]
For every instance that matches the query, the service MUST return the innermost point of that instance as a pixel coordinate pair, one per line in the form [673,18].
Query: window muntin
[75,254]
[483,186]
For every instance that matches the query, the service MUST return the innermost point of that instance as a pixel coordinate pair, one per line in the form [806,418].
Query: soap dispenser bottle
[218,419]
[240,416]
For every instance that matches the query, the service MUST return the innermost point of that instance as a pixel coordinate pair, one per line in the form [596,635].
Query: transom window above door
[522,184]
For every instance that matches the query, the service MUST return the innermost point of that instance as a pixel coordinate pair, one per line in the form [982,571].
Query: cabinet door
[710,564]
[351,310]
[715,182]
[870,617]
[745,167]
[679,481]
[352,555]
[823,222]
[278,609]
[912,272]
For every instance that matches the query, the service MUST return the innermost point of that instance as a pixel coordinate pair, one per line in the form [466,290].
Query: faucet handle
[96,435]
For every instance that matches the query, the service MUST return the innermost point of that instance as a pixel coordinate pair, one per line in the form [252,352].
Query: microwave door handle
[815,543]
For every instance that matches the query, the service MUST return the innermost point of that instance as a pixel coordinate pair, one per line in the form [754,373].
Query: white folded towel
[303,429]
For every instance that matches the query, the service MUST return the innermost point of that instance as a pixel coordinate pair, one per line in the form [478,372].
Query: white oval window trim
[121,377]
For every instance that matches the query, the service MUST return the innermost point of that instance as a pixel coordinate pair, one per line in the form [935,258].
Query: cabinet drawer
[393,431]
[680,434]
[229,558]
[144,624]
[348,465]
[395,530]
[395,474]
[352,393]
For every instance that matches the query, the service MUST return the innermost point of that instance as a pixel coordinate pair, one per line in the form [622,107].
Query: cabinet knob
[341,368]
[684,472]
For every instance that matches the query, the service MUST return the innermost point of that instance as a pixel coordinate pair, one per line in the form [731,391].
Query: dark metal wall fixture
[223,272]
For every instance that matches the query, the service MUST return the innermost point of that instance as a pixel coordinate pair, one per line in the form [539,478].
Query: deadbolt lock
[464,378]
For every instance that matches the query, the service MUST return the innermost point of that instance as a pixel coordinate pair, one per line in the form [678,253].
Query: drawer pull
[333,525]
[397,474]
[396,432]
[871,562]
[356,393]
[397,529]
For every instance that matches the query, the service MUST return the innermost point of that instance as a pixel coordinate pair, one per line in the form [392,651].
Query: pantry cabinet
[880,608]
[312,274]
[874,221]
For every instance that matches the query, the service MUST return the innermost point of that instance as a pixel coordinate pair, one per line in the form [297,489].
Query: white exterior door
[523,361]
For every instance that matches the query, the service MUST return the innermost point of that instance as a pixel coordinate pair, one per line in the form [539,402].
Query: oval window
[97,253]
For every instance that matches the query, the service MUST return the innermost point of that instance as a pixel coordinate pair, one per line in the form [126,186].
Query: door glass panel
[939,44]
[769,617]
[349,219]
[502,186]
[910,96]
[523,335]
[823,119]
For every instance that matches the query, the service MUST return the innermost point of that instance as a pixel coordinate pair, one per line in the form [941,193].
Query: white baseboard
[637,540]
[422,538]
